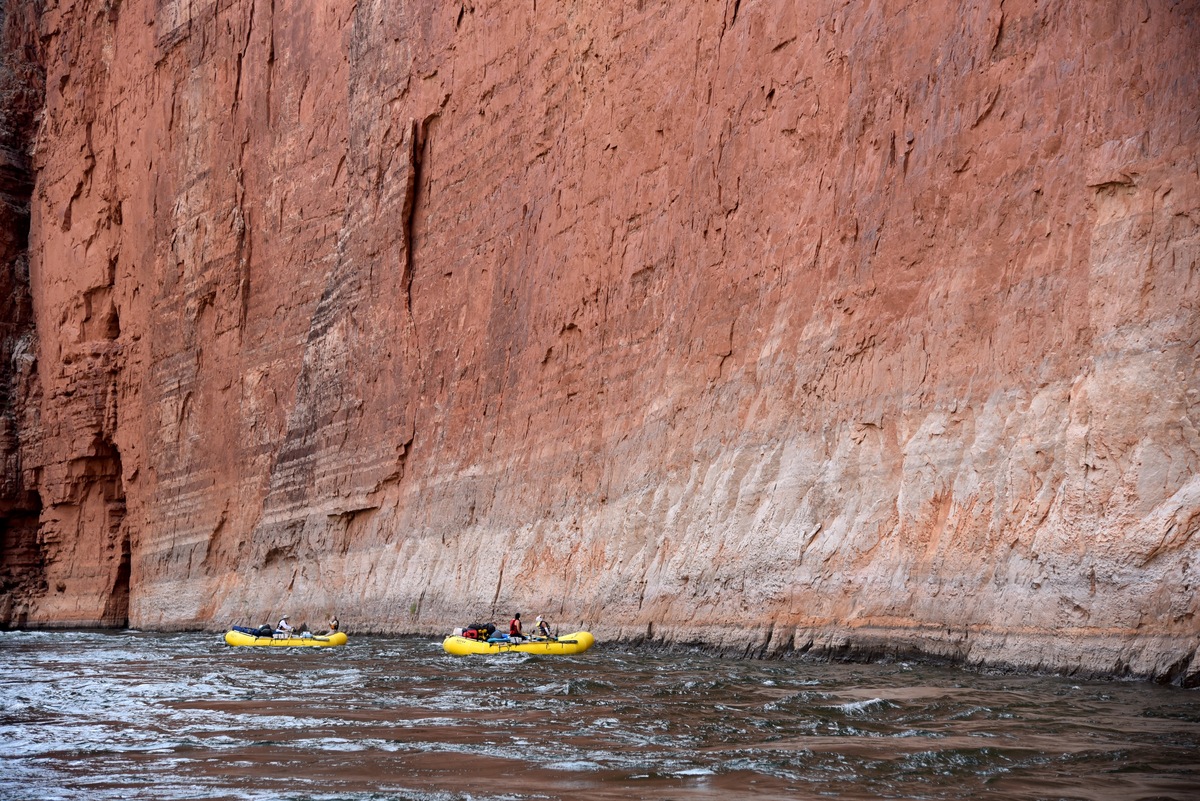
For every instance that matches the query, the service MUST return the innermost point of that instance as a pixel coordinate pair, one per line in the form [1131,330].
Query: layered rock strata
[766,325]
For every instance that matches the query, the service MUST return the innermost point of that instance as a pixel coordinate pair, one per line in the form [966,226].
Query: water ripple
[91,715]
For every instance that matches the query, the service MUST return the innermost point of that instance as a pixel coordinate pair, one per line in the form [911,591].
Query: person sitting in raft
[514,628]
[332,625]
[283,627]
[543,628]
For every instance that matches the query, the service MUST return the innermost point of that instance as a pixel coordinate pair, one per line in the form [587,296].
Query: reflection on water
[140,716]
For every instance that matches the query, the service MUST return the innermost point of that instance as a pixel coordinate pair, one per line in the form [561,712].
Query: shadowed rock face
[21,569]
[767,325]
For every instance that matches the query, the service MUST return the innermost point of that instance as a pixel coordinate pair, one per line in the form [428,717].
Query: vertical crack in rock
[997,32]
[409,207]
[270,60]
[727,21]
[499,585]
[241,58]
[242,246]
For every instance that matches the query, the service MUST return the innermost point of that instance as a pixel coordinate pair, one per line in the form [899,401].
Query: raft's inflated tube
[565,645]
[315,641]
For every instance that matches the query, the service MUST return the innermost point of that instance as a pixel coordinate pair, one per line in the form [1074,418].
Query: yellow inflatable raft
[315,641]
[575,643]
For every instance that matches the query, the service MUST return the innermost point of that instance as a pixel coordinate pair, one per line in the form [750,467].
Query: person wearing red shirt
[514,628]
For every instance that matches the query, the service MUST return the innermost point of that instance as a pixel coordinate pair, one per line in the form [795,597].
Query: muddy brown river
[128,715]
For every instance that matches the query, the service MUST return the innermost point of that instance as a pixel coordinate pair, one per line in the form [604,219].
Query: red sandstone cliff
[21,78]
[772,325]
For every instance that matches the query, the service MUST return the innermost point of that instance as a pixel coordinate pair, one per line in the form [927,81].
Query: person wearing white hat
[284,627]
[542,629]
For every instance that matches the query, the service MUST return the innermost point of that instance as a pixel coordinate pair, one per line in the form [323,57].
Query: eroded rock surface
[768,325]
[21,86]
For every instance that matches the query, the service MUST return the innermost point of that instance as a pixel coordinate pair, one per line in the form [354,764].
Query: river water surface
[152,716]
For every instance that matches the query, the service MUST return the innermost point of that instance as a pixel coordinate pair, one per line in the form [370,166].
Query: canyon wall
[844,326]
[21,78]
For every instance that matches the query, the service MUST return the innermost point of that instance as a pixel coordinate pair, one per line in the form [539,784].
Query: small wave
[957,761]
[575,765]
[861,708]
[970,713]
[553,689]
[932,735]
[802,699]
[576,687]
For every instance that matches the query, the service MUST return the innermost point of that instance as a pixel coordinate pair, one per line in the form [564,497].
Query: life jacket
[514,628]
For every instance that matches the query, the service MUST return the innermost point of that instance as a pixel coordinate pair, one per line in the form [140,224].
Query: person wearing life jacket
[283,627]
[514,628]
[543,628]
